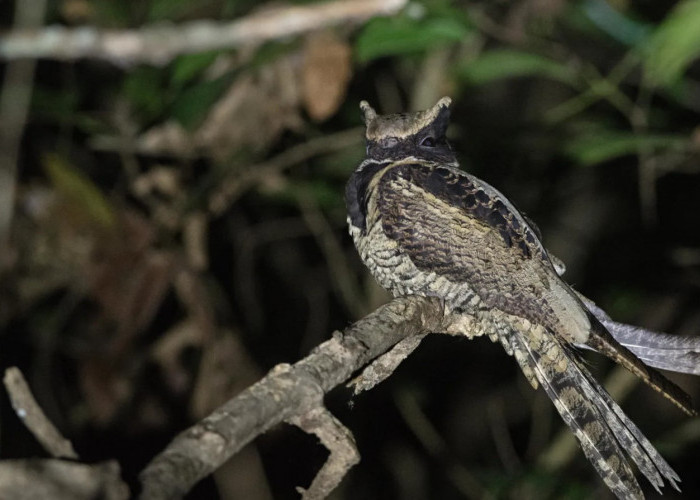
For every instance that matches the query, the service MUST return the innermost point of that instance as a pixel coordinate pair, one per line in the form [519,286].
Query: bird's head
[421,135]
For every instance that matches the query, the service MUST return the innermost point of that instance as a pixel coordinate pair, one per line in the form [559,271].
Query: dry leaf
[129,278]
[254,112]
[326,74]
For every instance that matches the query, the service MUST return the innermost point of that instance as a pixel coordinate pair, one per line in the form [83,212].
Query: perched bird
[424,227]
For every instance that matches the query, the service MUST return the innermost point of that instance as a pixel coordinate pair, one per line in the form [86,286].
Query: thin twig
[159,44]
[31,414]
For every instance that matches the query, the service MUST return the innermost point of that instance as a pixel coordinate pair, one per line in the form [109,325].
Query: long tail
[602,341]
[599,424]
[660,350]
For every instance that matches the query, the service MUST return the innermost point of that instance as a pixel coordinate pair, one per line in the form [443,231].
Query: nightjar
[424,227]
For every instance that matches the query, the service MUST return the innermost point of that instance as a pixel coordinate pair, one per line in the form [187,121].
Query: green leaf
[615,23]
[161,10]
[111,14]
[77,188]
[505,63]
[399,35]
[62,107]
[189,66]
[192,105]
[145,90]
[603,146]
[55,106]
[323,193]
[674,44]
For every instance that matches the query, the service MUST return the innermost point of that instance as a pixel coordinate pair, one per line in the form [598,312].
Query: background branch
[31,415]
[159,44]
[52,478]
[61,480]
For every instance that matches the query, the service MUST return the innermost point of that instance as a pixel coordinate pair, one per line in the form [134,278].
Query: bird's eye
[389,142]
[428,142]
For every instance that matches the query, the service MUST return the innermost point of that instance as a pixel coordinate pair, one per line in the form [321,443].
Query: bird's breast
[395,271]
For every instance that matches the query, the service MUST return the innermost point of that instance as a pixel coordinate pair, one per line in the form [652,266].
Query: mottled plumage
[423,226]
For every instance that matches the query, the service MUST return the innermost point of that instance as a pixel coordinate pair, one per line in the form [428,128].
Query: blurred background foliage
[180,229]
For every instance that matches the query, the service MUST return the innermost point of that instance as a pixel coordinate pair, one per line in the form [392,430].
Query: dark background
[135,303]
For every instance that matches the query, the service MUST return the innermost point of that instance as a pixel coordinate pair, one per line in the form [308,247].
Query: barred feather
[424,227]
[600,425]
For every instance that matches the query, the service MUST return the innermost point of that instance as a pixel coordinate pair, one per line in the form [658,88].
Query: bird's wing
[455,226]
[449,223]
[599,424]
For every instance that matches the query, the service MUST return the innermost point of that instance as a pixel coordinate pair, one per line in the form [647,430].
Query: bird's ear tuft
[441,111]
[368,112]
[445,102]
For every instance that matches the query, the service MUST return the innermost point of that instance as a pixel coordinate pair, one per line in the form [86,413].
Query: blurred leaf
[55,106]
[111,14]
[602,146]
[189,66]
[674,44]
[504,63]
[326,72]
[145,90]
[192,105]
[685,92]
[62,107]
[79,189]
[161,10]
[273,51]
[338,165]
[614,23]
[323,193]
[399,35]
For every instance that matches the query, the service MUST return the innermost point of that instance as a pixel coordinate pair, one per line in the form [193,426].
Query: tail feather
[632,438]
[602,341]
[597,421]
[668,352]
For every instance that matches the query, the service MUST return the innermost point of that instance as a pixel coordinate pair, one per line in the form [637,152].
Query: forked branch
[294,394]
[291,393]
